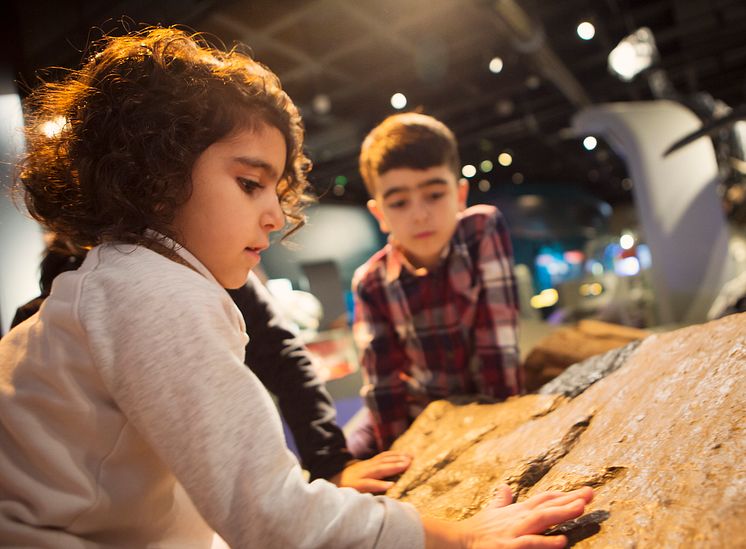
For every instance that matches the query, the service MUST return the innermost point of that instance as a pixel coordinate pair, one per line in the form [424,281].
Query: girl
[127,417]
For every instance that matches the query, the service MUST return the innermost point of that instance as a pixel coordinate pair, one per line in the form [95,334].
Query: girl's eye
[397,204]
[249,185]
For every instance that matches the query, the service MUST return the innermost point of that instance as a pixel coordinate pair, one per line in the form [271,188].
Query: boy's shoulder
[479,212]
[478,220]
[373,270]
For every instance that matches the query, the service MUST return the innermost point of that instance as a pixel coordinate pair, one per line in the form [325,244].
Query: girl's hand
[502,524]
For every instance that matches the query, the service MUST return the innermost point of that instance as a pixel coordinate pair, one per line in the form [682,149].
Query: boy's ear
[375,210]
[463,193]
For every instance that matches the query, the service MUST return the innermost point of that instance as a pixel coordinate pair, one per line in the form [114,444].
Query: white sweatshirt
[128,419]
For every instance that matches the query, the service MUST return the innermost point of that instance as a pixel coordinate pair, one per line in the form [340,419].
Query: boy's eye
[249,185]
[397,204]
[435,196]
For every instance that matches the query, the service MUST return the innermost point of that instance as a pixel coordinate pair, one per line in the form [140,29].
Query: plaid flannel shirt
[453,330]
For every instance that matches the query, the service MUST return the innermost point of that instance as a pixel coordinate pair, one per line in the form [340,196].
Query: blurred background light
[633,54]
[496,65]
[590,143]
[468,170]
[505,159]
[398,101]
[586,30]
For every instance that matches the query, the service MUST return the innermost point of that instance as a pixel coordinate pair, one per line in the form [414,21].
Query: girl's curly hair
[131,123]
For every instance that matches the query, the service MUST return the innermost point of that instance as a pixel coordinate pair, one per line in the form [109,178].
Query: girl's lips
[256,250]
[424,234]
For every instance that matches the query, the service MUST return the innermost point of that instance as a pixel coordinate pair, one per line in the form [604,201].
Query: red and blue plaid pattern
[453,330]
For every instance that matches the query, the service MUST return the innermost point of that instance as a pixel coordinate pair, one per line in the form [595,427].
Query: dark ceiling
[357,53]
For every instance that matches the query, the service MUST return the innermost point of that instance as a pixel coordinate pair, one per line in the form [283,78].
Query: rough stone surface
[662,439]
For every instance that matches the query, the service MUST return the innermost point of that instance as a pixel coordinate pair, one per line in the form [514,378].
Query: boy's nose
[420,212]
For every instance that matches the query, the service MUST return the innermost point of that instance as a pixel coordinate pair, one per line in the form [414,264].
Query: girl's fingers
[373,486]
[386,469]
[502,496]
[540,520]
[539,542]
[388,455]
[559,498]
[539,499]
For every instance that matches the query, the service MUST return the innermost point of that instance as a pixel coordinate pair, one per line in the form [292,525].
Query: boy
[436,309]
[127,416]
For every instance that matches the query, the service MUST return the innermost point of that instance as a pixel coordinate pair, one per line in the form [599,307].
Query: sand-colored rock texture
[662,438]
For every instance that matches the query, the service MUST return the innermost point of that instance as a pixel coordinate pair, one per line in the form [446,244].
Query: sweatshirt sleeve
[282,363]
[169,347]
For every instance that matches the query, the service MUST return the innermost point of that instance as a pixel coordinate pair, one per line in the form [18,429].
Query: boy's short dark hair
[133,121]
[407,140]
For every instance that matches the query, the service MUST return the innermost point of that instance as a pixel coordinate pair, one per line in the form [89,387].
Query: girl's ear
[462,193]
[374,209]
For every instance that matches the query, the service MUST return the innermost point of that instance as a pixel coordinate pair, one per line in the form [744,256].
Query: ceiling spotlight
[586,30]
[484,185]
[590,143]
[468,171]
[496,65]
[633,54]
[505,159]
[398,101]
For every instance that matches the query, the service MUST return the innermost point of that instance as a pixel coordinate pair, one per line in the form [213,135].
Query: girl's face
[234,204]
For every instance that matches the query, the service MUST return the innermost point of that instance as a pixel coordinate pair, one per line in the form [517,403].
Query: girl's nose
[273,218]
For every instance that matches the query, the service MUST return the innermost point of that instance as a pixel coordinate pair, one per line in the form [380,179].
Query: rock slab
[662,439]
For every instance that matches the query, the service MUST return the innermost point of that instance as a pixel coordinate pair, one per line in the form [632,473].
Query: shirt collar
[396,261]
[185,254]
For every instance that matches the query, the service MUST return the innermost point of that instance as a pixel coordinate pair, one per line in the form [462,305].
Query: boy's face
[420,209]
[234,205]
